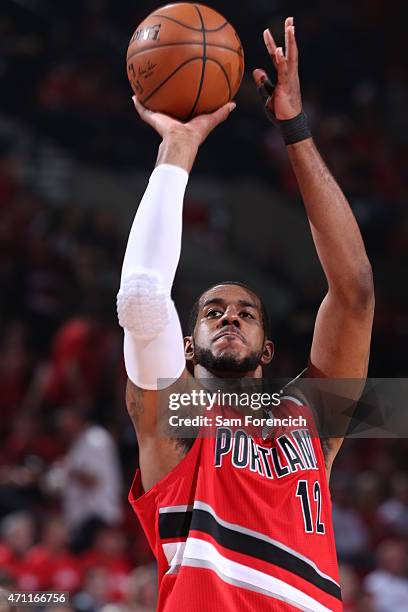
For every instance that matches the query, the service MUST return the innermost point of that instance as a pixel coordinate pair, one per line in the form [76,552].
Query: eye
[246,315]
[214,312]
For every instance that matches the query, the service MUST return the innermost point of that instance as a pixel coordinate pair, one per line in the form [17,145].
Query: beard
[225,363]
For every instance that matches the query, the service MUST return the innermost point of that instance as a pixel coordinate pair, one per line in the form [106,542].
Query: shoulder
[303,392]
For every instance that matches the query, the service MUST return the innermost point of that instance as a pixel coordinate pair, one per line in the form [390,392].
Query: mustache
[230,330]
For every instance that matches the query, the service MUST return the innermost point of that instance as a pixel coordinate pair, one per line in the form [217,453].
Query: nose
[230,317]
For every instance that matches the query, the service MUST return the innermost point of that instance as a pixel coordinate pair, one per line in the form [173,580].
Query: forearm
[335,231]
[153,344]
[155,237]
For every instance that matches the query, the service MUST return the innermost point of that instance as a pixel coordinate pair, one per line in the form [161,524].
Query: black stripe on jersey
[177,524]
[174,524]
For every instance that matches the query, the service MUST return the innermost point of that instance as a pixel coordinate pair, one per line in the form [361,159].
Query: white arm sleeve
[153,345]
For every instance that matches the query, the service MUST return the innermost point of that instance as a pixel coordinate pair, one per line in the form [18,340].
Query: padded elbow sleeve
[143,307]
[153,343]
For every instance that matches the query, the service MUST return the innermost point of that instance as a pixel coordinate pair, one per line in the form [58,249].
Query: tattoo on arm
[325,448]
[134,400]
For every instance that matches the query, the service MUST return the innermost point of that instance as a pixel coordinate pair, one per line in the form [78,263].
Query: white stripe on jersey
[200,553]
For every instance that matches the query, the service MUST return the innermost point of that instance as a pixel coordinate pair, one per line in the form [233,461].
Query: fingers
[143,112]
[289,58]
[290,43]
[269,42]
[280,57]
[288,24]
[276,53]
[139,106]
[259,76]
[281,66]
[270,45]
[264,87]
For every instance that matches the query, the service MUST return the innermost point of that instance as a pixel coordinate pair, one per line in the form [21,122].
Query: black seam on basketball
[191,59]
[178,44]
[210,59]
[221,27]
[226,48]
[204,60]
[185,25]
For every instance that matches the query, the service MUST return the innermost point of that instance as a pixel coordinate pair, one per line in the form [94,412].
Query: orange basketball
[184,60]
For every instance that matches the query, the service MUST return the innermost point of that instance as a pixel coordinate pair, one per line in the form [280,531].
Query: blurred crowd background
[74,161]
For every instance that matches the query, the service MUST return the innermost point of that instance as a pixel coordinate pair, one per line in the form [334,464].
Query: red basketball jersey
[243,523]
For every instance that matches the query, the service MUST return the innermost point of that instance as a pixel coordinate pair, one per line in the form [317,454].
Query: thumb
[205,124]
[223,113]
[217,117]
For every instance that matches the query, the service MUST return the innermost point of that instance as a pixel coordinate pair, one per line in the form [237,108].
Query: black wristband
[293,130]
[296,129]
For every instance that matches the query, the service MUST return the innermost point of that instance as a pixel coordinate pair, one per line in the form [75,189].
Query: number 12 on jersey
[302,492]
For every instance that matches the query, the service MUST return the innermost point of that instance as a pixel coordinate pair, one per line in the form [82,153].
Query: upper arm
[141,405]
[341,345]
[144,406]
[159,453]
[342,336]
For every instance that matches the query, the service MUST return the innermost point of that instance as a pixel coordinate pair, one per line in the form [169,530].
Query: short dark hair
[192,320]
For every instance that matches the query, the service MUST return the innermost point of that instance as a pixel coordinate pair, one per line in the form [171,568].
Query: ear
[189,348]
[267,353]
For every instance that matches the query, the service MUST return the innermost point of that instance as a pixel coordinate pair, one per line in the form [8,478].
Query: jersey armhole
[140,499]
[294,388]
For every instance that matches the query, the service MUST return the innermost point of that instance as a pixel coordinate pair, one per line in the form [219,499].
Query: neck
[232,378]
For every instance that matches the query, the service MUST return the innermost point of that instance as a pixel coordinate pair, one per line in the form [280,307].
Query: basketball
[184,60]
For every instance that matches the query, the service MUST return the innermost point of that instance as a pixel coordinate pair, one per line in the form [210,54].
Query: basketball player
[238,523]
